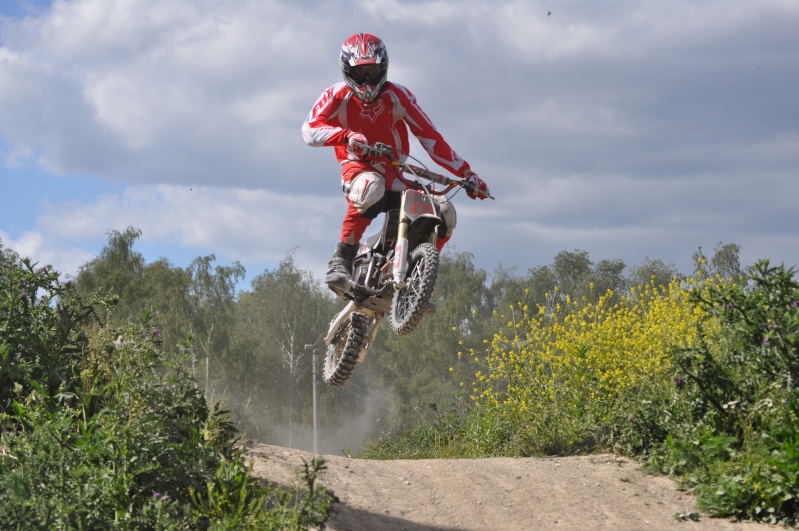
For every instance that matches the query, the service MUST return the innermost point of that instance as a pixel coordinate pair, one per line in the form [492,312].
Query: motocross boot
[339,269]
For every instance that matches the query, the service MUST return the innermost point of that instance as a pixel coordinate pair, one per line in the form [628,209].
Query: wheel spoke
[410,301]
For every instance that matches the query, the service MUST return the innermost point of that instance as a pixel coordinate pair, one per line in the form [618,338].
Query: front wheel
[410,302]
[344,349]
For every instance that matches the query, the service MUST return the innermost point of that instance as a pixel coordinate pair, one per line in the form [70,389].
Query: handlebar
[380,149]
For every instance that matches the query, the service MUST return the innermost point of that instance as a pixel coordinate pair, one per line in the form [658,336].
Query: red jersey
[388,120]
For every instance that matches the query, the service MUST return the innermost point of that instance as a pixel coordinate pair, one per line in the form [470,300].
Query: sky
[627,129]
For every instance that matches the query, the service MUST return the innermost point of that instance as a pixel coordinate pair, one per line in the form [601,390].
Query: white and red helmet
[364,63]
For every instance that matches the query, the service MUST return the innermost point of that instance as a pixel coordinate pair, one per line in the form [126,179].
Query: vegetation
[100,430]
[734,435]
[108,401]
[698,378]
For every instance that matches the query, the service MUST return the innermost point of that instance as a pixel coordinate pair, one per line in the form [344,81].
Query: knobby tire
[410,302]
[344,350]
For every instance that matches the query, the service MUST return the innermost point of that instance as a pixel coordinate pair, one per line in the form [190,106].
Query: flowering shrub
[700,378]
[562,372]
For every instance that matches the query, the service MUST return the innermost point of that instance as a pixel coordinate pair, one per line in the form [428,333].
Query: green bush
[40,339]
[99,431]
[733,429]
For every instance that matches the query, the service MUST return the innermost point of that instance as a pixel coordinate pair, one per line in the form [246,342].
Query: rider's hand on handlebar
[353,139]
[477,188]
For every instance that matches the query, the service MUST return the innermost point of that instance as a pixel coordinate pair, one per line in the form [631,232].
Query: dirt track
[498,494]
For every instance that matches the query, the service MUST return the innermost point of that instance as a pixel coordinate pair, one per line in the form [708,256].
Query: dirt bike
[394,271]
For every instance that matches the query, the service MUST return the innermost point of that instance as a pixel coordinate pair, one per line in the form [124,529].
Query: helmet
[364,63]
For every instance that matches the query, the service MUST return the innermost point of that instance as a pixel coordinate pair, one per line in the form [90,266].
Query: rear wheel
[344,350]
[410,302]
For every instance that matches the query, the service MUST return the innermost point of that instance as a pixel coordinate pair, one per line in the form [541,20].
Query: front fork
[401,252]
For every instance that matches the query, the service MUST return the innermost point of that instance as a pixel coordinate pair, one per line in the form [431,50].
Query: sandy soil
[591,492]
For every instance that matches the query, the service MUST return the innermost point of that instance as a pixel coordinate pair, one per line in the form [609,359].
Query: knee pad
[448,215]
[365,190]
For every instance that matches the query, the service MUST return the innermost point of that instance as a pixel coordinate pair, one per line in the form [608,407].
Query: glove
[477,188]
[356,151]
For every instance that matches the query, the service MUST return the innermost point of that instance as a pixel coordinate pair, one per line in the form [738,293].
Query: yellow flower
[589,354]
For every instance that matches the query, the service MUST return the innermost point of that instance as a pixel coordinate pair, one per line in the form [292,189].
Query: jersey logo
[371,112]
[324,99]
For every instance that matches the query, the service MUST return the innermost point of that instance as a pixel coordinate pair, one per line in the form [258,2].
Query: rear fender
[423,230]
[342,316]
[338,320]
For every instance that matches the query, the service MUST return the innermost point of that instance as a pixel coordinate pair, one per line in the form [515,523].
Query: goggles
[363,73]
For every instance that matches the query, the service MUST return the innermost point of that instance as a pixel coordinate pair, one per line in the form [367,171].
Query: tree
[165,299]
[574,275]
[118,270]
[212,295]
[7,256]
[572,271]
[286,310]
[725,261]
[508,288]
[191,308]
[652,271]
[607,276]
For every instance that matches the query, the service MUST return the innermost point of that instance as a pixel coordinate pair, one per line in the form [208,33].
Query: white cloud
[427,14]
[64,256]
[529,34]
[149,92]
[261,225]
[624,129]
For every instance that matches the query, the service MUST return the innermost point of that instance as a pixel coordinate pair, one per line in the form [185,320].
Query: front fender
[423,230]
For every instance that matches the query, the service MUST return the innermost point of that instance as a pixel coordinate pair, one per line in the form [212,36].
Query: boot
[339,269]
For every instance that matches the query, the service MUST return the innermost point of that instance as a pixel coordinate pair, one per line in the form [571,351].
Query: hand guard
[477,188]
[353,139]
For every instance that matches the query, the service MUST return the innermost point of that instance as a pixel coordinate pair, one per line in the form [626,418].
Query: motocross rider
[381,111]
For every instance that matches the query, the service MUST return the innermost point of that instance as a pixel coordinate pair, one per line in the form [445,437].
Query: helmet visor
[363,74]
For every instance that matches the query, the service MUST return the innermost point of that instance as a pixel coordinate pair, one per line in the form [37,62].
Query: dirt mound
[590,492]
